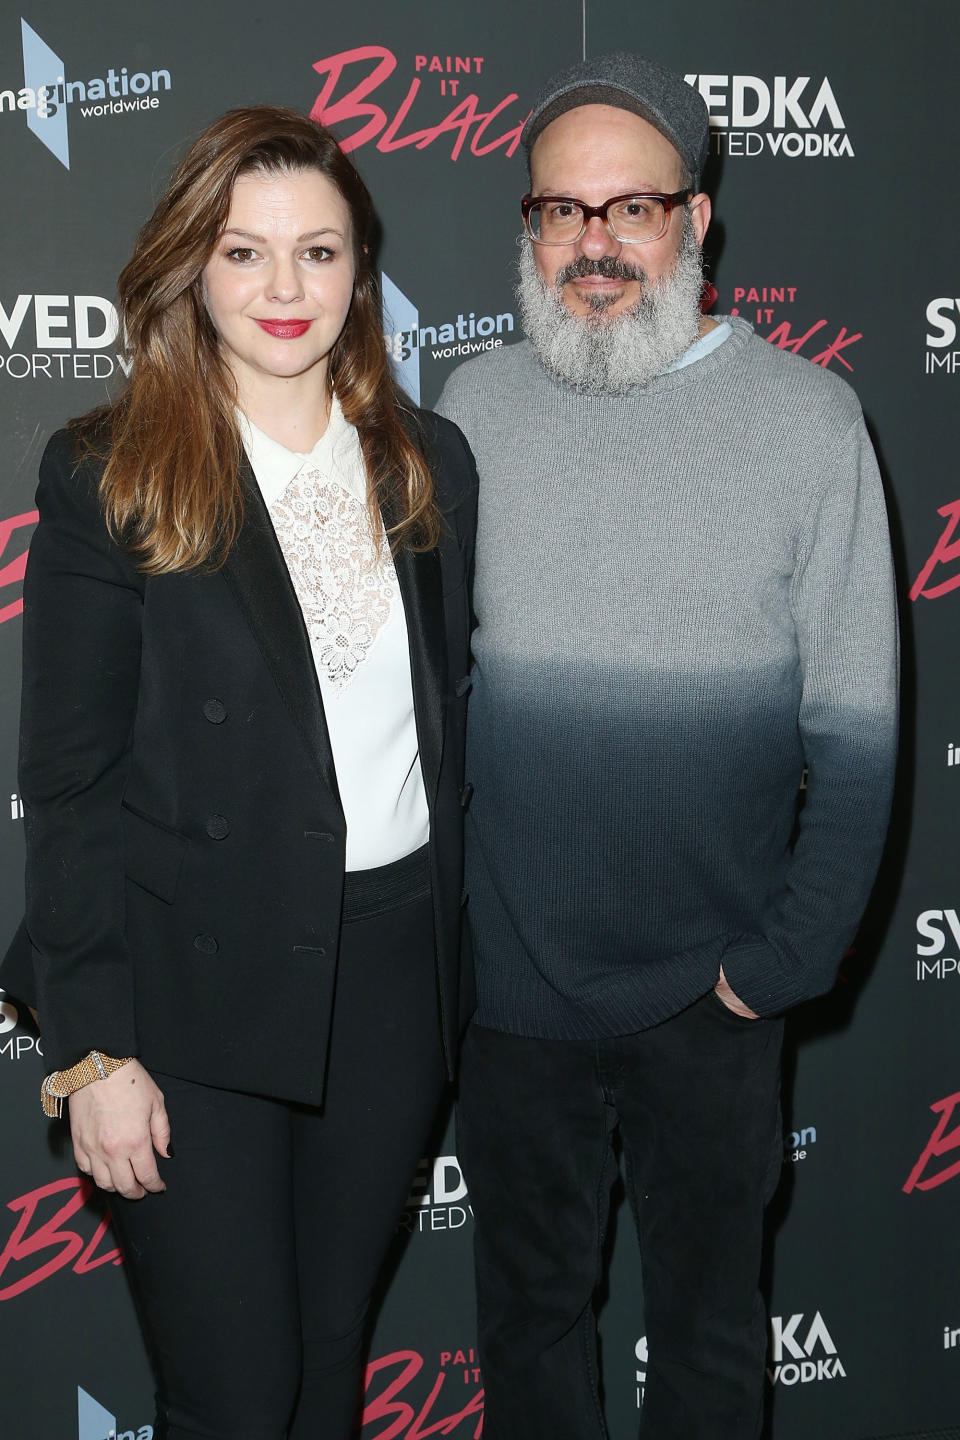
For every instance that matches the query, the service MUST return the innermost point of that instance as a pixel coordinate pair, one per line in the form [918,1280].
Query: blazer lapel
[256,571]
[421,586]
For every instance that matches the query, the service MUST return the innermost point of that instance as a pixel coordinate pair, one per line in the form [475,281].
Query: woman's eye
[241,254]
[319,252]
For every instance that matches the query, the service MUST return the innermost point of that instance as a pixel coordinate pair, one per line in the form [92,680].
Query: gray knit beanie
[658,95]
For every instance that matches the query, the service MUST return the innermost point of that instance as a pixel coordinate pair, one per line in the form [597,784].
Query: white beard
[609,355]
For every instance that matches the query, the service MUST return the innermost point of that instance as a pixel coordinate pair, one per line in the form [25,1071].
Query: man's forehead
[596,140]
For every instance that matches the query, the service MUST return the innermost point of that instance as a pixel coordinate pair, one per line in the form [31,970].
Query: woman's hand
[116,1125]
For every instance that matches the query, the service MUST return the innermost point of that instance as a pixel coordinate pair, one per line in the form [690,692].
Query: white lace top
[347,587]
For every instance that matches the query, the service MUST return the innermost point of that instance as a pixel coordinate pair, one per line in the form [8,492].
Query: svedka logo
[352,77]
[942,318]
[934,926]
[946,552]
[796,117]
[925,1175]
[796,1360]
[65,338]
[438,1197]
[642,1354]
[468,334]
[9,1014]
[15,1042]
[12,570]
[817,341]
[47,94]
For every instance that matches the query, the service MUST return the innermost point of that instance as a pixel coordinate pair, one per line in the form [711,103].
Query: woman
[246,637]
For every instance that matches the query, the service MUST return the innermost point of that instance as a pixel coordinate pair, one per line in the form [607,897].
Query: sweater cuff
[760,976]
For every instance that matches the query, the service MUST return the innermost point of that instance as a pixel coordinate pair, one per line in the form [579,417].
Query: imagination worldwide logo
[95,1422]
[47,94]
[452,339]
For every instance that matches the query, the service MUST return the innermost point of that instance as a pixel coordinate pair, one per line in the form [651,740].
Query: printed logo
[47,95]
[95,1422]
[16,806]
[44,1242]
[945,552]
[795,117]
[13,570]
[762,305]
[797,1143]
[800,1354]
[395,1406]
[951,1338]
[942,319]
[943,1141]
[9,1014]
[60,337]
[953,755]
[937,927]
[642,1353]
[18,1043]
[407,340]
[438,1197]
[352,77]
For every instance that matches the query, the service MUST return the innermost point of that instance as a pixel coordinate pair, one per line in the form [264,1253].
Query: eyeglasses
[633,219]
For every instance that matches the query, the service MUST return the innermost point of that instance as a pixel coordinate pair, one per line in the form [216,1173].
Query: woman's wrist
[62,1083]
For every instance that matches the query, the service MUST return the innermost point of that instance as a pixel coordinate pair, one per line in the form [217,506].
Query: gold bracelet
[56,1087]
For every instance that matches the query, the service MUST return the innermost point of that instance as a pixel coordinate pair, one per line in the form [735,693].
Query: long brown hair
[171,488]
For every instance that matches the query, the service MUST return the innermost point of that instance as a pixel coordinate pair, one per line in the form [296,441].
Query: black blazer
[185,837]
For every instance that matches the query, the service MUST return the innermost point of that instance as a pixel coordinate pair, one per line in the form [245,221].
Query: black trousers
[697,1103]
[253,1271]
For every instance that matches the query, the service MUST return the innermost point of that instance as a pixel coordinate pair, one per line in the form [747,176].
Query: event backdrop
[834,156]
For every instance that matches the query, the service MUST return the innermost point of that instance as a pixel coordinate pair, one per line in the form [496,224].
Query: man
[684,599]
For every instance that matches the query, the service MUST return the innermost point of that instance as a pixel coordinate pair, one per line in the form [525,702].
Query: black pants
[697,1103]
[253,1271]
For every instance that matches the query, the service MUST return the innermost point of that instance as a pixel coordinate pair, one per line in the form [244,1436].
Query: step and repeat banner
[833,164]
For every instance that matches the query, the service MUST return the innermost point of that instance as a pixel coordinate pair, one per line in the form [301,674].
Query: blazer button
[206,944]
[218,827]
[215,711]
[463,686]
[466,795]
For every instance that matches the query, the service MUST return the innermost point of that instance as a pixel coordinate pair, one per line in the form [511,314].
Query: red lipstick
[285,329]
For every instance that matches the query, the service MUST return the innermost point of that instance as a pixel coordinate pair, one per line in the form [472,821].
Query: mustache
[607,268]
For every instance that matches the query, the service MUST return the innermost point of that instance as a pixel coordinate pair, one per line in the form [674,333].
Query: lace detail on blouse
[344,579]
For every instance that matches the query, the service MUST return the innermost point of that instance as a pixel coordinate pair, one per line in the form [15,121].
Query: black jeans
[697,1103]
[253,1271]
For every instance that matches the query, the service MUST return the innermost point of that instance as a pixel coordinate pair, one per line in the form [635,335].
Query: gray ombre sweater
[684,597]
